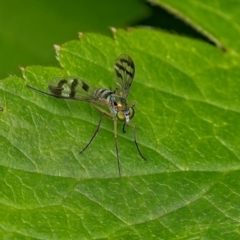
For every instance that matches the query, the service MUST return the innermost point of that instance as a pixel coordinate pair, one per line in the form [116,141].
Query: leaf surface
[187,119]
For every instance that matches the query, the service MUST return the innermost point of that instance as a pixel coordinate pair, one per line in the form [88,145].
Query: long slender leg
[135,140]
[116,146]
[93,136]
[108,115]
[123,128]
[115,133]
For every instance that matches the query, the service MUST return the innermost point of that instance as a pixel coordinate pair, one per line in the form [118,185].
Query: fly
[116,101]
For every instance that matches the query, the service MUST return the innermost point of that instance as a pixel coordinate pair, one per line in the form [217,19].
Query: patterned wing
[124,73]
[75,89]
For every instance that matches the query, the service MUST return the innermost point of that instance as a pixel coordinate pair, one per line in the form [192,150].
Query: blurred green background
[29,29]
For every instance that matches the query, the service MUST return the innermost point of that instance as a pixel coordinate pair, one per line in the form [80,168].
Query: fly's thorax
[117,102]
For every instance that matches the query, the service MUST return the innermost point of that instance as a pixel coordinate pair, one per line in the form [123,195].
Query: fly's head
[120,109]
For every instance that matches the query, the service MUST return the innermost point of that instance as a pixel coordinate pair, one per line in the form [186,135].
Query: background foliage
[30,28]
[187,94]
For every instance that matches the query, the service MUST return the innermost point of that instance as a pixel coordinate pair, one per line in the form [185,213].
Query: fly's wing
[75,89]
[124,73]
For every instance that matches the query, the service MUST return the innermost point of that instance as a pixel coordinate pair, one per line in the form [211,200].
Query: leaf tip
[80,34]
[22,68]
[57,47]
[113,29]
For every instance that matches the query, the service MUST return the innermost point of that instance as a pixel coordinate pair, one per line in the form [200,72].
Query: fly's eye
[121,116]
[132,112]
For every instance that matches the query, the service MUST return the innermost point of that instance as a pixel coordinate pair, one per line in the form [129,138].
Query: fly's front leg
[103,111]
[133,105]
[135,141]
[123,128]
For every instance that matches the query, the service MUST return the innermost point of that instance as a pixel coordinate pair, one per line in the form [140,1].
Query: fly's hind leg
[93,136]
[103,112]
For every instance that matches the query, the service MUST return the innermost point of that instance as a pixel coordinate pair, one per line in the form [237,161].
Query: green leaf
[217,20]
[187,119]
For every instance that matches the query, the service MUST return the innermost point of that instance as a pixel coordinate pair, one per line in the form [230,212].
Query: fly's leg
[103,112]
[115,133]
[116,146]
[93,136]
[135,141]
[123,128]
